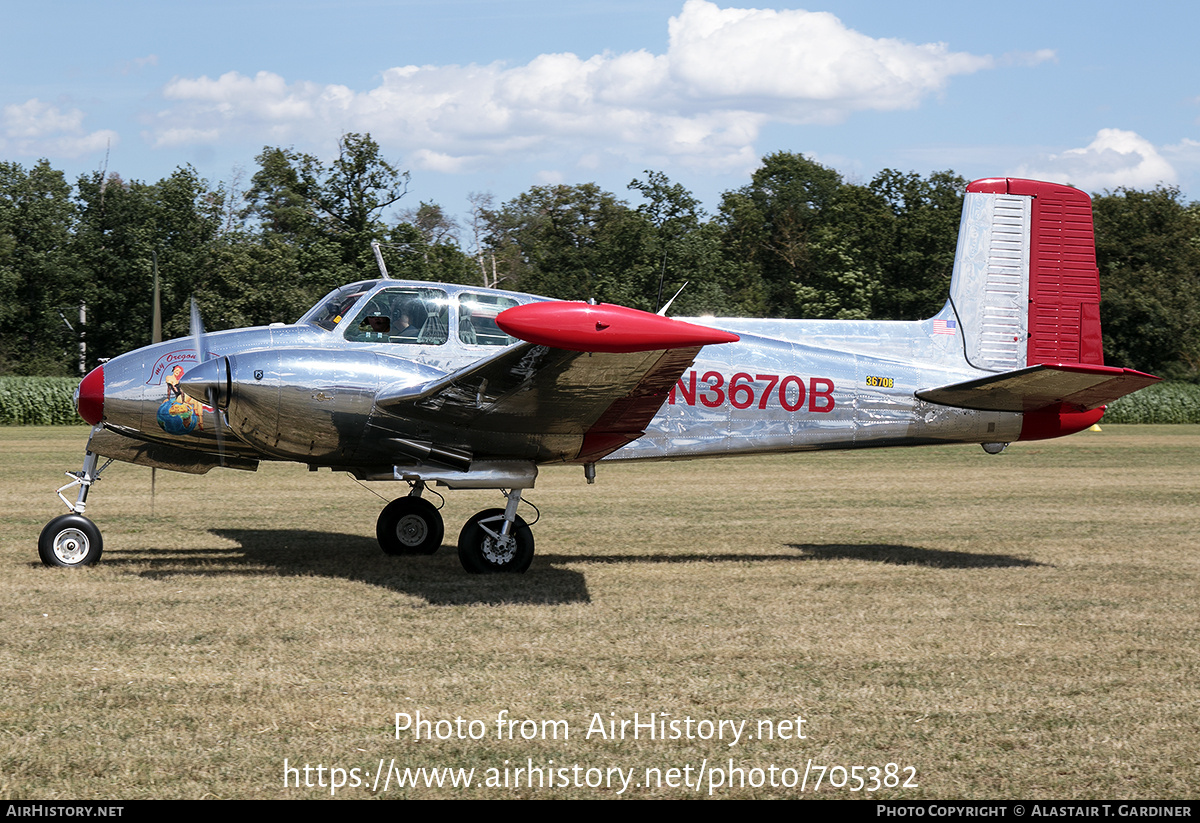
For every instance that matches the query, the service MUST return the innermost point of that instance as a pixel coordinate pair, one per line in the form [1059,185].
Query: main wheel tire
[410,525]
[70,540]
[482,550]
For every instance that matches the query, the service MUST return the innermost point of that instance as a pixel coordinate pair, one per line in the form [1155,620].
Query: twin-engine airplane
[473,388]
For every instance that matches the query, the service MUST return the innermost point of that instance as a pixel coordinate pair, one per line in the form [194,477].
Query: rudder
[1025,287]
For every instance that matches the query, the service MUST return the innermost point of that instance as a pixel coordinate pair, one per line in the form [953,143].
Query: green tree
[575,242]
[424,246]
[685,247]
[914,233]
[795,226]
[122,227]
[39,285]
[330,213]
[1148,252]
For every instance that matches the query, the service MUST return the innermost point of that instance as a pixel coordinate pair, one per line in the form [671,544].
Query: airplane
[475,388]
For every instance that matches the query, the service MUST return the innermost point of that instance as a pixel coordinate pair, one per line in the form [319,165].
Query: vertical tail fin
[1025,288]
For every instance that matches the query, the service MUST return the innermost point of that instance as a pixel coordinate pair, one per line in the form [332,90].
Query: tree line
[797,240]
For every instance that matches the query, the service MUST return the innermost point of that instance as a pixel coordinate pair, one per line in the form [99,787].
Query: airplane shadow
[439,579]
[911,556]
[874,552]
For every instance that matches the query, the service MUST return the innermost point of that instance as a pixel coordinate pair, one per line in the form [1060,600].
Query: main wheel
[70,540]
[410,525]
[482,550]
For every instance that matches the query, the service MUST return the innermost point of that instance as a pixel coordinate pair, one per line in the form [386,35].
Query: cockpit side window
[334,306]
[477,319]
[403,315]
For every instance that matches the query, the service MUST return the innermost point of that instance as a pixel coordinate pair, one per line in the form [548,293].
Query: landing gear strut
[71,539]
[496,540]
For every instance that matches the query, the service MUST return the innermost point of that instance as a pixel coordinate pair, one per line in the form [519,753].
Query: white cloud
[37,129]
[137,64]
[1029,58]
[726,74]
[1185,154]
[804,65]
[1114,159]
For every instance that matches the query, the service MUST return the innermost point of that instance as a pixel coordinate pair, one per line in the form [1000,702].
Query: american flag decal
[945,326]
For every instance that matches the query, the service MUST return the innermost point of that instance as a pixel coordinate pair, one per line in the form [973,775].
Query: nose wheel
[70,540]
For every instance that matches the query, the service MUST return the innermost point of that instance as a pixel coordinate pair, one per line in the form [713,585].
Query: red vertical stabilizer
[1064,283]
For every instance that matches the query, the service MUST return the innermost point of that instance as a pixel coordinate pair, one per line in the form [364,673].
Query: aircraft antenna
[663,310]
[662,275]
[379,260]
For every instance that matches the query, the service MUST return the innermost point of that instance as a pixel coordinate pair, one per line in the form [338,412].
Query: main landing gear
[494,540]
[71,539]
[410,525]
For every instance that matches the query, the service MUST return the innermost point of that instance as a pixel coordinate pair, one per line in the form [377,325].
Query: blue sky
[501,95]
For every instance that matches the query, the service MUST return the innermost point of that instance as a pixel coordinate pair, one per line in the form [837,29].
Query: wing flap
[1073,385]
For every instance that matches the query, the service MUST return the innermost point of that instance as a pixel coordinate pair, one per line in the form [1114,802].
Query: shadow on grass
[439,579]
[911,556]
[875,552]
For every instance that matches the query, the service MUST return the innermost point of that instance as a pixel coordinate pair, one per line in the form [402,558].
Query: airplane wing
[1075,385]
[586,381]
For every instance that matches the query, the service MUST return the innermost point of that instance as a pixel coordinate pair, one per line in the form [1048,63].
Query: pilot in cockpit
[413,315]
[375,326]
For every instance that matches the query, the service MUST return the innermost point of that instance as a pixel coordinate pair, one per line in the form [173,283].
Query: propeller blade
[197,331]
[218,430]
[156,319]
[211,396]
[155,337]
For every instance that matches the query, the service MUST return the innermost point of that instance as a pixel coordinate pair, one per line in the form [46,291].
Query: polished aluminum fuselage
[309,394]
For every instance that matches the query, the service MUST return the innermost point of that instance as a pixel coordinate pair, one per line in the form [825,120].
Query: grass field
[1018,626]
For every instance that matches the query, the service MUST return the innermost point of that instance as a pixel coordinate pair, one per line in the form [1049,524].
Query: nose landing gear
[71,539]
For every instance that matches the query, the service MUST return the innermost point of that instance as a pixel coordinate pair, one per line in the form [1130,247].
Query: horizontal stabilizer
[1073,385]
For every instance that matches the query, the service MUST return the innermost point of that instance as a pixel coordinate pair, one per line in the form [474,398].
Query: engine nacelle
[301,404]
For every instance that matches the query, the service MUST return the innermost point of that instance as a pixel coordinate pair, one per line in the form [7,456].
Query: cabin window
[477,319]
[412,316]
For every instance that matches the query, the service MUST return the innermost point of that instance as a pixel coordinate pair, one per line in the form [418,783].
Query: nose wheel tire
[410,525]
[482,549]
[70,540]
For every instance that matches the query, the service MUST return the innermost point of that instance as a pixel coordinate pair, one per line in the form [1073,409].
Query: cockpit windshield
[334,306]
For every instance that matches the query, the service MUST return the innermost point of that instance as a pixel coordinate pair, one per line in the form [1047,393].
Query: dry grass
[1015,626]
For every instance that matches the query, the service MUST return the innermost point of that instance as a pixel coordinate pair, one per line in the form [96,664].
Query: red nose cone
[89,399]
